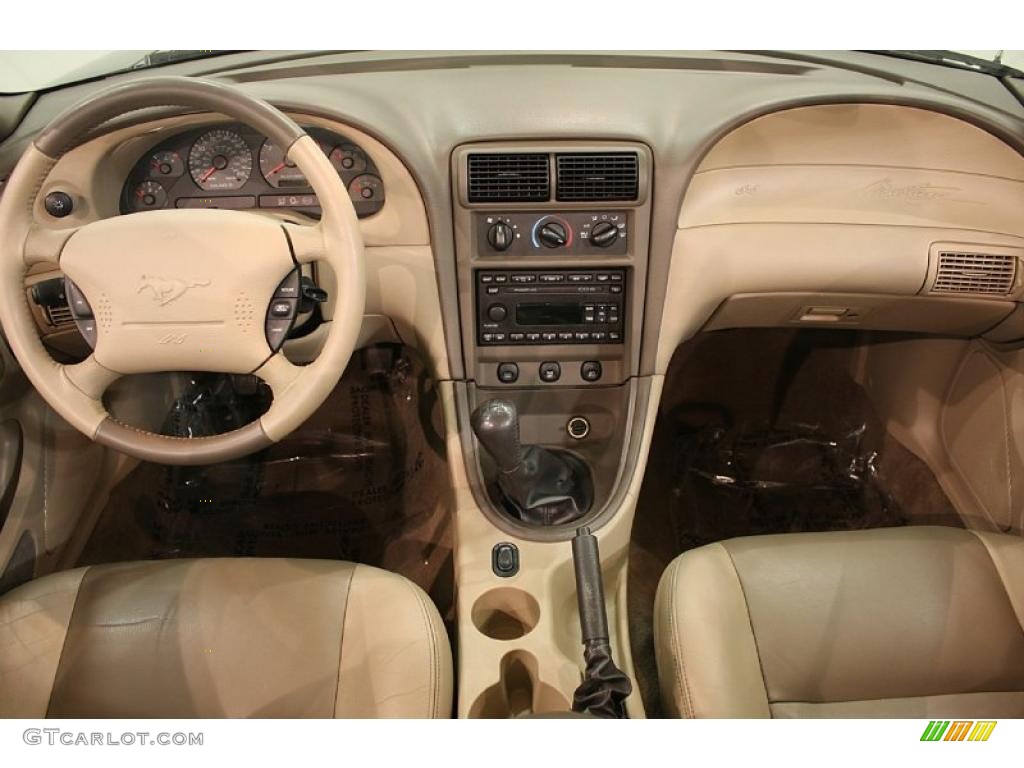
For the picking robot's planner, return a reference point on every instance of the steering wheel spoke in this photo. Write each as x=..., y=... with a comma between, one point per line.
x=44, y=245
x=90, y=377
x=307, y=242
x=279, y=373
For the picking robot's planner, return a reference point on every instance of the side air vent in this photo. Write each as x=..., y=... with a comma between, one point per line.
x=586, y=176
x=975, y=273
x=509, y=178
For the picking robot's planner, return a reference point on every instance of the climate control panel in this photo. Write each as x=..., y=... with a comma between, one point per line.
x=594, y=233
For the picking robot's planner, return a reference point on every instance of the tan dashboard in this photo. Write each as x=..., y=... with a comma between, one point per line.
x=873, y=216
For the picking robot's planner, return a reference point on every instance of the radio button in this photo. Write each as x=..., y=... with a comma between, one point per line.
x=552, y=278
x=550, y=372
x=604, y=277
x=497, y=312
x=486, y=278
x=599, y=335
x=616, y=277
x=614, y=336
x=516, y=336
x=508, y=373
x=581, y=336
x=577, y=278
x=499, y=337
x=591, y=370
x=501, y=278
x=533, y=337
x=565, y=336
x=549, y=336
x=492, y=289
x=616, y=289
x=487, y=337
x=524, y=278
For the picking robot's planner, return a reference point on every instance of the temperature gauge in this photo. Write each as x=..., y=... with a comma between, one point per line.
x=166, y=165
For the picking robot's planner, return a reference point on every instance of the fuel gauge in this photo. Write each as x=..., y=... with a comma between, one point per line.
x=148, y=196
x=366, y=189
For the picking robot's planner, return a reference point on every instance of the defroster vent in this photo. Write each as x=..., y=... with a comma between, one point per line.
x=509, y=178
x=586, y=176
x=975, y=273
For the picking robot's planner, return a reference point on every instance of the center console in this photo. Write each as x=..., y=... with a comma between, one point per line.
x=551, y=256
x=551, y=249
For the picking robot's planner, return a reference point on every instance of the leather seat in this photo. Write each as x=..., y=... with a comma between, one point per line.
x=223, y=638
x=898, y=622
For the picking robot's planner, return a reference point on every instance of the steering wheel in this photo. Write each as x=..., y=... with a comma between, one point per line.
x=180, y=290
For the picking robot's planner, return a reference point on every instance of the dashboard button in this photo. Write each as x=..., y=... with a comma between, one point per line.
x=282, y=307
x=591, y=370
x=550, y=372
x=508, y=373
x=289, y=287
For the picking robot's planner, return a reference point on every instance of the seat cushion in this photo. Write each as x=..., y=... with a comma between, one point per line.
x=896, y=622
x=238, y=637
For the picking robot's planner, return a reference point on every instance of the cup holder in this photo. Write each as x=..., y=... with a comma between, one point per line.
x=519, y=692
x=505, y=613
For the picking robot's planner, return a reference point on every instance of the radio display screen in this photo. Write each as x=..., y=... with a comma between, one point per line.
x=549, y=314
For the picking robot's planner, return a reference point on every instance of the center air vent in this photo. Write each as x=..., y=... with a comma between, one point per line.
x=587, y=176
x=509, y=178
x=975, y=273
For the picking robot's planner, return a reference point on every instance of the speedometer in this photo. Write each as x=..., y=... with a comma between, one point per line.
x=220, y=159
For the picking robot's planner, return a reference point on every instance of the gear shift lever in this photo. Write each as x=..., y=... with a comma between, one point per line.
x=542, y=486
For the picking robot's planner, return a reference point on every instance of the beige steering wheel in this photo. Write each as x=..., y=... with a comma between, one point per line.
x=180, y=290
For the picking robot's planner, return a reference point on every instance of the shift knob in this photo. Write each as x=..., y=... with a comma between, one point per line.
x=496, y=424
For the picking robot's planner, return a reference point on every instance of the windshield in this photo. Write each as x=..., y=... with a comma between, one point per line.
x=22, y=71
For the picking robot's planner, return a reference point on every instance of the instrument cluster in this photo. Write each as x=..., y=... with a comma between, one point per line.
x=233, y=166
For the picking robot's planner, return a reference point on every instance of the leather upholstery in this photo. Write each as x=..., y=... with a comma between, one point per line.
x=898, y=622
x=223, y=638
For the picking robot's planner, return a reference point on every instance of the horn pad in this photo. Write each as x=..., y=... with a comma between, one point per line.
x=179, y=290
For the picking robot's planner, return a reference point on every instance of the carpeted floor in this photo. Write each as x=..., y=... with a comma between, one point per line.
x=764, y=431
x=362, y=480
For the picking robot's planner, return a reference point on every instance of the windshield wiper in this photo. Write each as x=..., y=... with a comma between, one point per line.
x=159, y=58
x=957, y=60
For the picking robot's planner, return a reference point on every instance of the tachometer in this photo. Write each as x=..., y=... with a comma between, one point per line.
x=277, y=169
x=220, y=159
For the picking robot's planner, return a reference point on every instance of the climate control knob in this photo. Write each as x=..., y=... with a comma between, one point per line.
x=553, y=234
x=500, y=236
x=603, y=234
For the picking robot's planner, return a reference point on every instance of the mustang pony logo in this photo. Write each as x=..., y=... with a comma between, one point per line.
x=165, y=290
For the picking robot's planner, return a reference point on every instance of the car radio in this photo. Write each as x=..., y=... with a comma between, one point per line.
x=550, y=306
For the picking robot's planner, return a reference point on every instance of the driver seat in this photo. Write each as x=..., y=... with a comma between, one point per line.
x=232, y=637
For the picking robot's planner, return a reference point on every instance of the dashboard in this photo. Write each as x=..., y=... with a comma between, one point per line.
x=228, y=165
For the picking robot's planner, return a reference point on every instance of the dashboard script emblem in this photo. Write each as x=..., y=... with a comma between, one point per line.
x=165, y=290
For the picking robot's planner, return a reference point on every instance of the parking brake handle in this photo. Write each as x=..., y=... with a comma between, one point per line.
x=605, y=687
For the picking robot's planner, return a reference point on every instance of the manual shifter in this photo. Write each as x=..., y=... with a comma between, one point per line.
x=539, y=485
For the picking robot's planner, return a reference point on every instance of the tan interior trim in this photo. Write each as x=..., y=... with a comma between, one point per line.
x=837, y=199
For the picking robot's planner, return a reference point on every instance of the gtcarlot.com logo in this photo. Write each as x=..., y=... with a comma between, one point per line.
x=58, y=737
x=958, y=730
